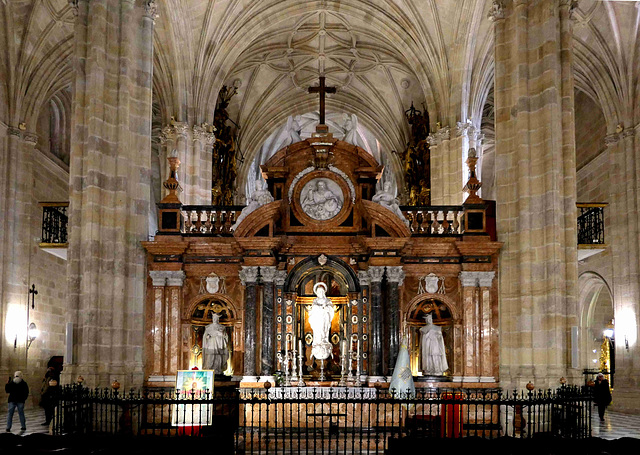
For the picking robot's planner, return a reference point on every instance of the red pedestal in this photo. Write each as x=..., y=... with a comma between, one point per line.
x=451, y=416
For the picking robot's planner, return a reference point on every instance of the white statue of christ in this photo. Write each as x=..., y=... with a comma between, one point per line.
x=321, y=313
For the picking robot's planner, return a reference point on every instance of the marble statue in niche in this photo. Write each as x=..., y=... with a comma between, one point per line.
x=321, y=313
x=434, y=358
x=321, y=199
x=214, y=346
x=386, y=199
x=260, y=197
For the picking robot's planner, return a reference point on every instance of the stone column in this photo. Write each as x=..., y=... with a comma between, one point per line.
x=470, y=325
x=249, y=278
x=363, y=301
x=164, y=341
x=395, y=278
x=110, y=188
x=622, y=235
x=280, y=310
x=16, y=235
x=376, y=273
x=536, y=189
x=268, y=320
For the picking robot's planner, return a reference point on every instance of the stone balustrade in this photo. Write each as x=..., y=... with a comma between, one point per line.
x=209, y=219
x=434, y=220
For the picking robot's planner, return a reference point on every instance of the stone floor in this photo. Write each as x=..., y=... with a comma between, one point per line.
x=616, y=425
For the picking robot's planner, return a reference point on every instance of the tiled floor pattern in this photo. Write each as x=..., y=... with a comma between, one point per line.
x=616, y=425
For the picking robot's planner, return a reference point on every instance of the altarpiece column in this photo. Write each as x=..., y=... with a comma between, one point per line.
x=249, y=278
x=376, y=273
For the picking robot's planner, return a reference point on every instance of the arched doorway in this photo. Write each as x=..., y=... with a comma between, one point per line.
x=597, y=324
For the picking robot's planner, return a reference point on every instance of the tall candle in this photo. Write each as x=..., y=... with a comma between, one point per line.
x=358, y=350
x=286, y=345
x=299, y=346
x=344, y=349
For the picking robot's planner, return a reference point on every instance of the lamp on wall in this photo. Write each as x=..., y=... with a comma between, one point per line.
x=32, y=334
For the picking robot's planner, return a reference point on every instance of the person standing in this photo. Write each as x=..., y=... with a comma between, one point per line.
x=601, y=395
x=18, y=391
x=49, y=394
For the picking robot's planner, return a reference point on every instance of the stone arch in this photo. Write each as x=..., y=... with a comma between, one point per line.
x=446, y=316
x=311, y=263
x=595, y=303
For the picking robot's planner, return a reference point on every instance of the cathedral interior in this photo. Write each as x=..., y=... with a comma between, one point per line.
x=464, y=170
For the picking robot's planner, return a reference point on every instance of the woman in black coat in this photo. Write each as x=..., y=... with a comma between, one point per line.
x=601, y=395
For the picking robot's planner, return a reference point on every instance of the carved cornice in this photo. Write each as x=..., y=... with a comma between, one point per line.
x=280, y=278
x=364, y=278
x=496, y=12
x=474, y=279
x=268, y=273
x=32, y=138
x=611, y=139
x=376, y=273
x=161, y=278
x=395, y=274
x=248, y=274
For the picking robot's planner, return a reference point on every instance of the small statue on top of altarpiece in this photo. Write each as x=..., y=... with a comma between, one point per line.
x=224, y=170
x=417, y=159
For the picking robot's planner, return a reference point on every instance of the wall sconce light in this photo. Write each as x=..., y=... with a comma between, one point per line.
x=608, y=333
x=32, y=334
x=626, y=343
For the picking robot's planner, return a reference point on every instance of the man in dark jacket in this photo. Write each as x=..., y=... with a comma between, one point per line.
x=18, y=391
x=601, y=395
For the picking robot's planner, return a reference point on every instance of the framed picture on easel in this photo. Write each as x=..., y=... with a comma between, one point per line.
x=193, y=386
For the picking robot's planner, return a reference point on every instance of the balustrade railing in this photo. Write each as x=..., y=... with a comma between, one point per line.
x=591, y=223
x=318, y=420
x=209, y=219
x=434, y=220
x=54, y=223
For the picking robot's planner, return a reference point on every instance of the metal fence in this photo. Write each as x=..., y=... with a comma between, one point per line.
x=591, y=223
x=54, y=222
x=324, y=420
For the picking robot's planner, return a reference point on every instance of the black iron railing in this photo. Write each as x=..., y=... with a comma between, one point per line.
x=314, y=420
x=591, y=223
x=54, y=223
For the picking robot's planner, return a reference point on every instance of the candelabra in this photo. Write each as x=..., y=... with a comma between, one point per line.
x=350, y=377
x=358, y=382
x=343, y=361
x=300, y=380
x=287, y=371
x=294, y=367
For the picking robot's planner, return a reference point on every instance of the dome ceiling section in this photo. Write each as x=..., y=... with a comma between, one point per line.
x=277, y=69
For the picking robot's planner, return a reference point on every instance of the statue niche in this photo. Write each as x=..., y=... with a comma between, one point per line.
x=431, y=327
x=212, y=323
x=321, y=339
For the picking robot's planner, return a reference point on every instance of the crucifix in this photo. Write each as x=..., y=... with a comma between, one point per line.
x=322, y=89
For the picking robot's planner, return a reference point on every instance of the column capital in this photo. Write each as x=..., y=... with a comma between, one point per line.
x=364, y=278
x=473, y=279
x=268, y=273
x=376, y=273
x=395, y=274
x=162, y=278
x=248, y=274
x=611, y=139
x=281, y=277
x=151, y=10
x=496, y=12
x=31, y=138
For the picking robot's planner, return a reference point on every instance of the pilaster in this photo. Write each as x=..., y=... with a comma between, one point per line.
x=249, y=278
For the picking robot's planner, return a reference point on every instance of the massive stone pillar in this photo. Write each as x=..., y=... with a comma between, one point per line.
x=624, y=153
x=395, y=277
x=110, y=188
x=268, y=274
x=376, y=273
x=16, y=199
x=249, y=278
x=536, y=189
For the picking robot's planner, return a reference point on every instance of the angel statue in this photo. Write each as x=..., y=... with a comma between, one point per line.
x=351, y=134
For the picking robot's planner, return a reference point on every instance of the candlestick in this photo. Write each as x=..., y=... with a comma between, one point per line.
x=358, y=382
x=300, y=380
x=343, y=359
x=294, y=366
x=350, y=377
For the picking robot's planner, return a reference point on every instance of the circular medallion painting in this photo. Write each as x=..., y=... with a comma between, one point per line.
x=321, y=199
